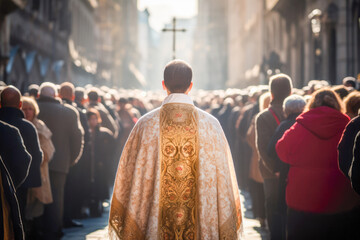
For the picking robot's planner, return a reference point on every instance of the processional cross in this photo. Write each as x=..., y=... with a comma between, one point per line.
x=174, y=30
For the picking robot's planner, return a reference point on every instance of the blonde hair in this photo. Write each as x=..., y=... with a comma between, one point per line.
x=325, y=97
x=264, y=101
x=30, y=101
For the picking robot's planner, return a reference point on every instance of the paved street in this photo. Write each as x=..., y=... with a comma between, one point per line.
x=95, y=228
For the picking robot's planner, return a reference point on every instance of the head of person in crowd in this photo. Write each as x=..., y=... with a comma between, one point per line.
x=228, y=102
x=264, y=101
x=80, y=95
x=280, y=87
x=33, y=90
x=254, y=94
x=113, y=96
x=349, y=82
x=352, y=104
x=177, y=77
x=93, y=95
x=341, y=90
x=325, y=97
x=122, y=103
x=10, y=97
x=66, y=91
x=48, y=89
x=293, y=104
x=30, y=108
x=93, y=117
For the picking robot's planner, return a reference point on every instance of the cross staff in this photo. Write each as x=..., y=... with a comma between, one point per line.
x=174, y=30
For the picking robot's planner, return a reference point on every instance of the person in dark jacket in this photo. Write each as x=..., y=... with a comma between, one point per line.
x=63, y=121
x=346, y=145
x=354, y=172
x=10, y=113
x=14, y=154
x=14, y=167
x=107, y=120
x=266, y=123
x=102, y=150
x=74, y=187
x=321, y=203
x=293, y=107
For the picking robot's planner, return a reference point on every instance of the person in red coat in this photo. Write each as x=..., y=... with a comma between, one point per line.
x=321, y=203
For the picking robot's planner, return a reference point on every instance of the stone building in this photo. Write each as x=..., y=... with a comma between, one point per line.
x=35, y=43
x=211, y=44
x=245, y=47
x=83, y=42
x=312, y=39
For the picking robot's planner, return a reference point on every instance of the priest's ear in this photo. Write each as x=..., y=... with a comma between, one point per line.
x=189, y=88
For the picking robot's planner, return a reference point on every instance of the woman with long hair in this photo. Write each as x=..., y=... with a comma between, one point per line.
x=38, y=196
x=321, y=203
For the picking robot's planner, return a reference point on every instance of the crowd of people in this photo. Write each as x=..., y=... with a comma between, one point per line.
x=296, y=151
x=60, y=147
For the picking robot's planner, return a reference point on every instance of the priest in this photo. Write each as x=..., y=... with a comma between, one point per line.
x=176, y=178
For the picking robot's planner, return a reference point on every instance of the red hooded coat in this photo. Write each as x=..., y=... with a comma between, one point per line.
x=315, y=183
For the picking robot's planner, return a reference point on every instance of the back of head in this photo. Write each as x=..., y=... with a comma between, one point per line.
x=93, y=95
x=33, y=90
x=264, y=101
x=177, y=76
x=341, y=90
x=280, y=87
x=48, y=89
x=79, y=94
x=67, y=90
x=294, y=104
x=325, y=97
x=349, y=82
x=10, y=97
x=352, y=104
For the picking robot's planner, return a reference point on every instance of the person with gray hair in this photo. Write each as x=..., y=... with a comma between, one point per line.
x=293, y=106
x=48, y=89
x=64, y=123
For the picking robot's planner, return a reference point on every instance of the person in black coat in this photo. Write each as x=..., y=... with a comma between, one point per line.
x=10, y=113
x=74, y=187
x=13, y=153
x=293, y=107
x=346, y=145
x=354, y=172
x=14, y=166
x=102, y=151
x=68, y=139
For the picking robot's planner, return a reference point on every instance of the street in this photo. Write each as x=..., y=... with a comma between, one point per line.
x=96, y=228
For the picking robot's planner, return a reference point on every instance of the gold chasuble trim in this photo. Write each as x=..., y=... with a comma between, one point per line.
x=179, y=156
x=123, y=224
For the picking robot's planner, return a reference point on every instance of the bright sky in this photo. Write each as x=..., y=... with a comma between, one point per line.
x=162, y=11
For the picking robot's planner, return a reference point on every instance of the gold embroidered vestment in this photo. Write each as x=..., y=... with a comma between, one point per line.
x=179, y=157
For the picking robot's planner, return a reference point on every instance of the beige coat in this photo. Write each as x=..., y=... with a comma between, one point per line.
x=39, y=196
x=254, y=171
x=43, y=193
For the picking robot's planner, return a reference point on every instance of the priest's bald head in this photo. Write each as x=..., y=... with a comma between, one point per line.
x=10, y=97
x=177, y=77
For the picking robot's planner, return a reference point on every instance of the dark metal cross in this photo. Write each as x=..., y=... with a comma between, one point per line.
x=174, y=30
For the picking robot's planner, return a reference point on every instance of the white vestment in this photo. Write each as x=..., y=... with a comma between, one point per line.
x=135, y=207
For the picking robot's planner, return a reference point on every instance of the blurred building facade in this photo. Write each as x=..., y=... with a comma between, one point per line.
x=35, y=43
x=211, y=44
x=312, y=39
x=83, y=41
